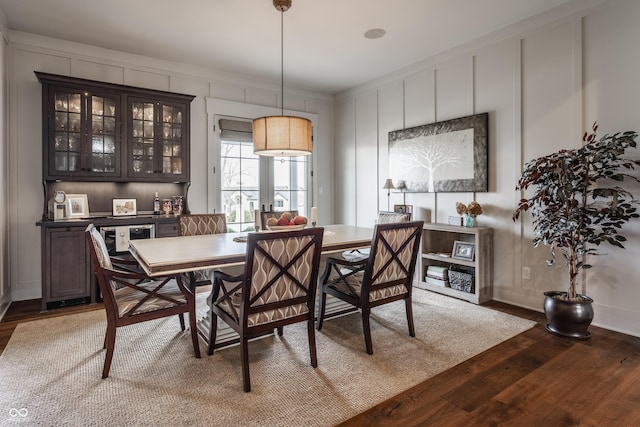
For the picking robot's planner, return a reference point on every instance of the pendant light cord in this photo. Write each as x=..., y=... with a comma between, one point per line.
x=282, y=61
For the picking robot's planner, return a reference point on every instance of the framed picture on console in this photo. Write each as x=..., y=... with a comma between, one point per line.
x=463, y=250
x=403, y=209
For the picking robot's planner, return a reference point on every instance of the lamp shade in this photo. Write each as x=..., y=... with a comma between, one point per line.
x=286, y=136
x=388, y=184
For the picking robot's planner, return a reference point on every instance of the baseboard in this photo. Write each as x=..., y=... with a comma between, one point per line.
x=4, y=307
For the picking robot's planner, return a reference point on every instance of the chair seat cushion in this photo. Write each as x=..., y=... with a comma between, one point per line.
x=356, y=254
x=127, y=298
x=355, y=281
x=262, y=317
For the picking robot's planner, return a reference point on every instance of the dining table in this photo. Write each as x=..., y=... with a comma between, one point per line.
x=183, y=254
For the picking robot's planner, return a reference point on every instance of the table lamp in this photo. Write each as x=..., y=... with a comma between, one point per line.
x=388, y=185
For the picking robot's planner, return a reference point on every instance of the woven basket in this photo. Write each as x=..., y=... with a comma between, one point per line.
x=461, y=281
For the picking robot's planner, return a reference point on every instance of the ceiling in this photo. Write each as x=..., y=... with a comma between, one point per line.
x=324, y=45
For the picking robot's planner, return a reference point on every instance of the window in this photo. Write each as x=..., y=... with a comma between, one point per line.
x=249, y=182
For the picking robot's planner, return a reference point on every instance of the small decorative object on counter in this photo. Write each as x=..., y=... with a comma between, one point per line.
x=156, y=204
x=178, y=202
x=167, y=206
x=469, y=212
x=314, y=216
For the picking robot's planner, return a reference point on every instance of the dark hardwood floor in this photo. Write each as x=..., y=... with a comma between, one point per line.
x=533, y=379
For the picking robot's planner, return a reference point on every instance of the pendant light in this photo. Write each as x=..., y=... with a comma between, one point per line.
x=282, y=136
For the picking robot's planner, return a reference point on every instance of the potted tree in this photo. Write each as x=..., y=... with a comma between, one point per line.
x=577, y=205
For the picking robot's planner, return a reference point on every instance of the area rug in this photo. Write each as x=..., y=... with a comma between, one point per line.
x=50, y=370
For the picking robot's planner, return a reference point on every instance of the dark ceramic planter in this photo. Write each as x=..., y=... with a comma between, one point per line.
x=569, y=319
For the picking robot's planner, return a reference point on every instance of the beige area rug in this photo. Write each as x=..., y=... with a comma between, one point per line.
x=50, y=370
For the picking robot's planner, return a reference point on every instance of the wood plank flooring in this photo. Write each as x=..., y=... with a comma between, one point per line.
x=533, y=379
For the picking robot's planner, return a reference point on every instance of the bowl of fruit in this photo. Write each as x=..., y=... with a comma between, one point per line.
x=287, y=222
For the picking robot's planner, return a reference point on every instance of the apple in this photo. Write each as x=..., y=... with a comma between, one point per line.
x=299, y=220
x=286, y=215
x=272, y=221
x=283, y=221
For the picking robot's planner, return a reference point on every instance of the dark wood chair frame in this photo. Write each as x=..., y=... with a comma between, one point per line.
x=345, y=269
x=131, y=279
x=247, y=306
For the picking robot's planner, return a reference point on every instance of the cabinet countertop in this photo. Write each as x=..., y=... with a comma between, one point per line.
x=107, y=220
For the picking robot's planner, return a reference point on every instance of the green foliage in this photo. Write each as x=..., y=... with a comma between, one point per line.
x=577, y=204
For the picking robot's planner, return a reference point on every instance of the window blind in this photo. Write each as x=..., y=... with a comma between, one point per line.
x=236, y=130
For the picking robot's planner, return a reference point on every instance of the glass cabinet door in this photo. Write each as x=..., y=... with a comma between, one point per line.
x=102, y=157
x=158, y=139
x=172, y=140
x=85, y=138
x=143, y=137
x=67, y=144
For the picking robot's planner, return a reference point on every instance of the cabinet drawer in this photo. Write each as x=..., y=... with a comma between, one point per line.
x=167, y=229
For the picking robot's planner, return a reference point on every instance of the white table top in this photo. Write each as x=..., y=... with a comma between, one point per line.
x=188, y=253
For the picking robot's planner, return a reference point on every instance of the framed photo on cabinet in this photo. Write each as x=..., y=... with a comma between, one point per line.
x=124, y=207
x=77, y=206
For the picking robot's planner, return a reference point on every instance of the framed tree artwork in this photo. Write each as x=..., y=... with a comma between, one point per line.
x=447, y=156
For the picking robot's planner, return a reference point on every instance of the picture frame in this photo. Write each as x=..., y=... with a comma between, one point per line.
x=77, y=206
x=124, y=207
x=403, y=209
x=448, y=156
x=463, y=250
x=455, y=220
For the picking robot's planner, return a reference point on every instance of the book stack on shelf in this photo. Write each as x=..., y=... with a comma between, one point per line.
x=437, y=275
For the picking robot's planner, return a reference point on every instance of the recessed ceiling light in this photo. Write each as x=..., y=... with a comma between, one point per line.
x=374, y=33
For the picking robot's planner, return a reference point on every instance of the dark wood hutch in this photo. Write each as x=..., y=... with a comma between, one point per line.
x=106, y=141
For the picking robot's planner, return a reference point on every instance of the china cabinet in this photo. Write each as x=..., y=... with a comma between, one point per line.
x=96, y=131
x=438, y=243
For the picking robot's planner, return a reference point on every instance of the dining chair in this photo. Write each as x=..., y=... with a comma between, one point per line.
x=196, y=225
x=385, y=276
x=277, y=288
x=265, y=215
x=131, y=297
x=384, y=217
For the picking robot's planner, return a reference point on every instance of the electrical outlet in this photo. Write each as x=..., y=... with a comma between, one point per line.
x=526, y=273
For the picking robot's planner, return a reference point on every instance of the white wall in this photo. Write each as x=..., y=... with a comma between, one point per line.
x=543, y=82
x=31, y=53
x=5, y=288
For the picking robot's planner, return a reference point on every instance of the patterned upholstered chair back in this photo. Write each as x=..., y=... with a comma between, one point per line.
x=392, y=260
x=102, y=253
x=198, y=224
x=389, y=217
x=282, y=271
